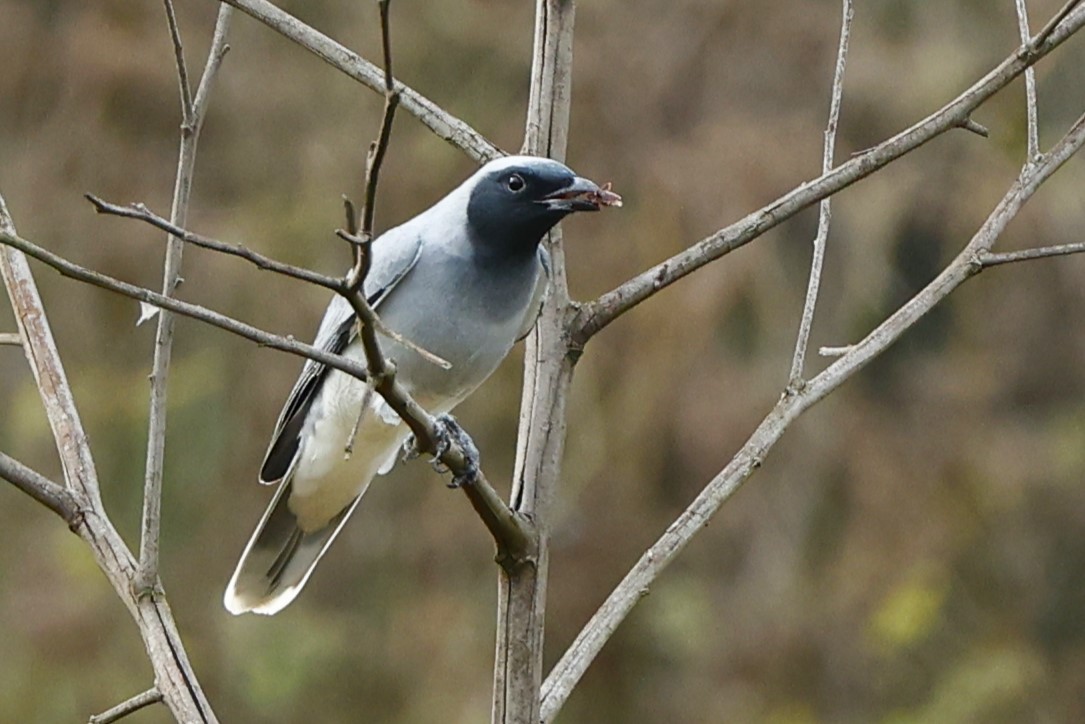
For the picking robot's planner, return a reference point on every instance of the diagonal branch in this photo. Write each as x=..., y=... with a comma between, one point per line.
x=142, y=213
x=595, y=315
x=441, y=122
x=266, y=339
x=1054, y=22
x=575, y=661
x=795, y=380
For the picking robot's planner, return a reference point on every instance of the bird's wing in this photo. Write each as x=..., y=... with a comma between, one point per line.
x=394, y=255
x=538, y=298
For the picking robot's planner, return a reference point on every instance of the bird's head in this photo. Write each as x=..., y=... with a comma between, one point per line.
x=513, y=201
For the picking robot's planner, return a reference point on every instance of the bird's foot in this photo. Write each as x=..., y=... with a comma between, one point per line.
x=448, y=430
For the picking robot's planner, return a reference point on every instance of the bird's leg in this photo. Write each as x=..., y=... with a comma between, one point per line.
x=448, y=431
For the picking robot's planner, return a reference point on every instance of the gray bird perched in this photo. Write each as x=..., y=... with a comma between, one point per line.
x=465, y=280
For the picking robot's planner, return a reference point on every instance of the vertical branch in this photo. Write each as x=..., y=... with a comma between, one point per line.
x=795, y=379
x=547, y=374
x=192, y=120
x=1030, y=87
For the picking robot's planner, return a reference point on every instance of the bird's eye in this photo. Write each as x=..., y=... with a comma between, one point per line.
x=515, y=182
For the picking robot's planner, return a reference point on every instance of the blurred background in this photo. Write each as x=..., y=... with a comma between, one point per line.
x=912, y=551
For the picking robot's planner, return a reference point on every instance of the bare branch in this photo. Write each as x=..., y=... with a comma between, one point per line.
x=218, y=51
x=635, y=585
x=597, y=314
x=41, y=353
x=179, y=59
x=55, y=497
x=266, y=339
x=142, y=213
x=971, y=126
x=10, y=338
x=1030, y=86
x=137, y=702
x=174, y=676
x=1049, y=29
x=442, y=123
x=548, y=371
x=147, y=574
x=1042, y=252
x=795, y=380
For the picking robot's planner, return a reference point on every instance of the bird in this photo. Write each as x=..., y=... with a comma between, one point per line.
x=465, y=280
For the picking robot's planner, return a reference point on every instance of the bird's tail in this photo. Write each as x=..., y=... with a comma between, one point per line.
x=279, y=558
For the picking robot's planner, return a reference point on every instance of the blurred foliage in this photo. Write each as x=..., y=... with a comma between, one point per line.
x=913, y=550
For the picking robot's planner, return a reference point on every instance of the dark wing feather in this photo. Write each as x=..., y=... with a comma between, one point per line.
x=391, y=262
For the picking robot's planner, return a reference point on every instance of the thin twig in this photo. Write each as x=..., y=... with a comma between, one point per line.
x=179, y=59
x=973, y=127
x=834, y=351
x=142, y=213
x=795, y=380
x=11, y=338
x=1030, y=86
x=1056, y=19
x=137, y=702
x=1043, y=252
x=575, y=661
x=374, y=159
x=147, y=574
x=52, y=495
x=441, y=122
x=597, y=314
x=266, y=339
x=362, y=237
x=336, y=284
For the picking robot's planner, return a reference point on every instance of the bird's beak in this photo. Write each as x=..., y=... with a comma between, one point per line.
x=581, y=195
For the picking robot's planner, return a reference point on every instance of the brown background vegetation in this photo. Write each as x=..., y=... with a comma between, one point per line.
x=912, y=551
